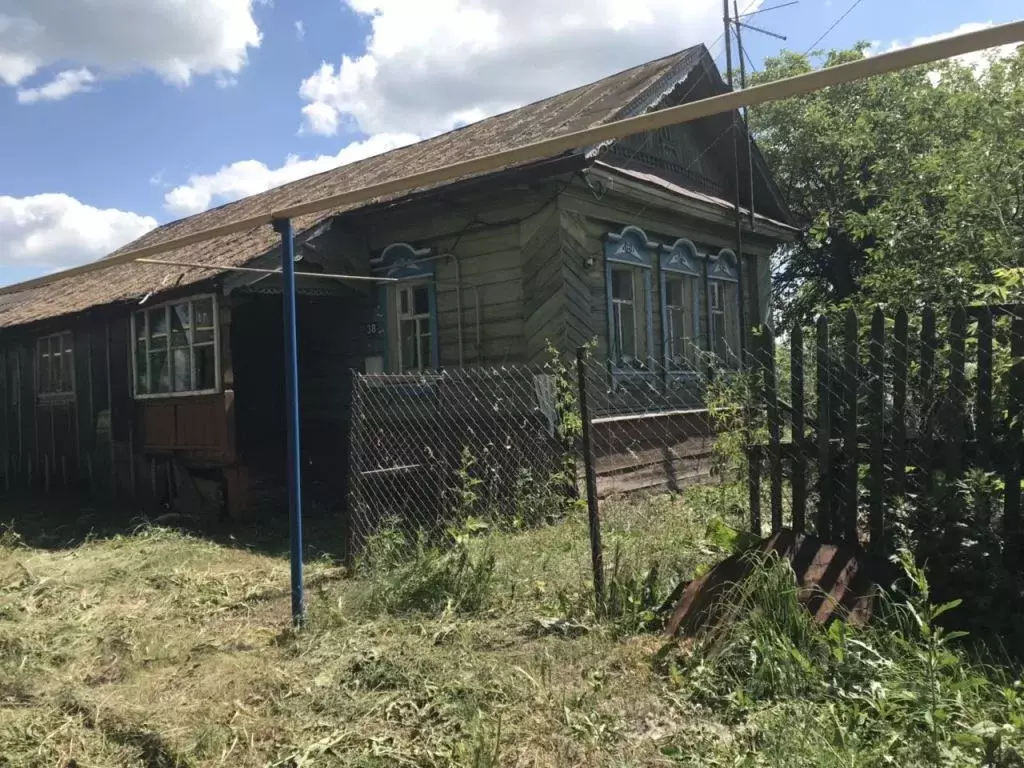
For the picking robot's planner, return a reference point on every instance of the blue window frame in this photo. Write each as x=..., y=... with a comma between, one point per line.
x=681, y=272
x=628, y=264
x=408, y=309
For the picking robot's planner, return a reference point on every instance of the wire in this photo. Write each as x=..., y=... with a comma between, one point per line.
x=633, y=158
x=835, y=24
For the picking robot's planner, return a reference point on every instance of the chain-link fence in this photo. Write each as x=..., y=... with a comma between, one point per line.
x=505, y=444
x=429, y=448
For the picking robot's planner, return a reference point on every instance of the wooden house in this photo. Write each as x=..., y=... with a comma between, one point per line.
x=108, y=376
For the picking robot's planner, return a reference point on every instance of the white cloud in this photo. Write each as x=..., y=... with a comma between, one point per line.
x=429, y=66
x=177, y=39
x=319, y=117
x=66, y=83
x=55, y=231
x=979, y=60
x=300, y=29
x=247, y=177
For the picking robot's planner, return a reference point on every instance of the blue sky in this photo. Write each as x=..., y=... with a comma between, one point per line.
x=213, y=108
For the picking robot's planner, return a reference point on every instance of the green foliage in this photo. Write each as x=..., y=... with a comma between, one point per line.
x=413, y=575
x=633, y=595
x=907, y=186
x=567, y=408
x=901, y=693
x=465, y=494
x=734, y=406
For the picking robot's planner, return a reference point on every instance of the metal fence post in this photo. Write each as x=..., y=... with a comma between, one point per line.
x=291, y=380
x=596, y=552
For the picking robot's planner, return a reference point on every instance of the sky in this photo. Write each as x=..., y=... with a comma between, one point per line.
x=119, y=115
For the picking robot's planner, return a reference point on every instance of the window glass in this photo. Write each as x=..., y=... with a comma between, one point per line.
x=409, y=345
x=421, y=300
x=680, y=298
x=176, y=348
x=202, y=314
x=424, y=352
x=57, y=382
x=626, y=328
x=157, y=322
x=55, y=360
x=181, y=326
x=181, y=369
x=205, y=367
x=44, y=367
x=159, y=370
x=622, y=284
x=415, y=343
x=724, y=302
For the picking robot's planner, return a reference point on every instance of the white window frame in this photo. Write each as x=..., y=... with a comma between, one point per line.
x=680, y=352
x=618, y=305
x=166, y=307
x=422, y=320
x=62, y=394
x=719, y=310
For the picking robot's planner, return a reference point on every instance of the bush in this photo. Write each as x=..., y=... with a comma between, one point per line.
x=901, y=693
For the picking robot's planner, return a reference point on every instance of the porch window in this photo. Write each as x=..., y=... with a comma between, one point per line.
x=175, y=348
x=416, y=341
x=55, y=365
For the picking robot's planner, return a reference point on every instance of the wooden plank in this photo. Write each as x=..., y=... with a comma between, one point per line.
x=956, y=394
x=983, y=400
x=851, y=381
x=754, y=487
x=1012, y=540
x=983, y=412
x=877, y=435
x=926, y=406
x=5, y=449
x=824, y=431
x=799, y=461
x=766, y=343
x=899, y=404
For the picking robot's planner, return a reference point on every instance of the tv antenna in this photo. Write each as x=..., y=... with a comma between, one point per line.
x=735, y=21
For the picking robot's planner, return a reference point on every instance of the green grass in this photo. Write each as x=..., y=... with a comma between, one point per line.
x=157, y=648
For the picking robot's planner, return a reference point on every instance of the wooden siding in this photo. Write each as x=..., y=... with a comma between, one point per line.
x=545, y=307
x=487, y=236
x=71, y=440
x=193, y=427
x=585, y=221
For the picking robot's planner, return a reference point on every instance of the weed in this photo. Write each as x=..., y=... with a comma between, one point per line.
x=414, y=575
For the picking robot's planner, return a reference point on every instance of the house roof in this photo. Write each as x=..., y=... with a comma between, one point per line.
x=614, y=97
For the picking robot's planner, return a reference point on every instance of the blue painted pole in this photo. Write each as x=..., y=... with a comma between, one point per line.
x=291, y=397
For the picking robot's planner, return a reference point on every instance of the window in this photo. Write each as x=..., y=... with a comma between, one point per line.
x=55, y=365
x=175, y=348
x=681, y=337
x=415, y=332
x=626, y=347
x=723, y=309
x=629, y=257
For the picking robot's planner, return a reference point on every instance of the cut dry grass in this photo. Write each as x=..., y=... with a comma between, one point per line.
x=159, y=648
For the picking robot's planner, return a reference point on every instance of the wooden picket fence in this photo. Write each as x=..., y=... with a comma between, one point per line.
x=886, y=411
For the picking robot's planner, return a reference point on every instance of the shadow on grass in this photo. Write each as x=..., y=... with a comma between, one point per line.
x=64, y=521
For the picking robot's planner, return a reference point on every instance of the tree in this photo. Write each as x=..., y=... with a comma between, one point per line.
x=909, y=187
